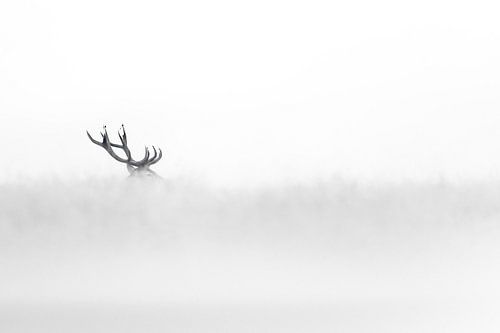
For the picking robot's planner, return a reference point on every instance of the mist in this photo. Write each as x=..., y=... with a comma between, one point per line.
x=323, y=256
x=328, y=166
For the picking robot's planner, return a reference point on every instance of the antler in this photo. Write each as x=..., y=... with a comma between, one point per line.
x=108, y=146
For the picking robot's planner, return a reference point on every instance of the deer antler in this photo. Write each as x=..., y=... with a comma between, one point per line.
x=108, y=146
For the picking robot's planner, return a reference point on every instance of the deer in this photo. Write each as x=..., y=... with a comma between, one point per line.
x=135, y=168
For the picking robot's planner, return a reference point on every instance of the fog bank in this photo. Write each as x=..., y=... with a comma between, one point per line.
x=178, y=245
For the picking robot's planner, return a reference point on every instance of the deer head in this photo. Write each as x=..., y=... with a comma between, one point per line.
x=136, y=168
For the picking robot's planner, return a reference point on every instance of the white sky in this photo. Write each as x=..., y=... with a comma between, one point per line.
x=249, y=92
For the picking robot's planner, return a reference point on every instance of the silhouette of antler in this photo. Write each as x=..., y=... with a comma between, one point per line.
x=132, y=164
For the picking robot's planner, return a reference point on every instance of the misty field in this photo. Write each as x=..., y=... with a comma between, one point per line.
x=107, y=255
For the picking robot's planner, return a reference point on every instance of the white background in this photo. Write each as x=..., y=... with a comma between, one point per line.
x=251, y=92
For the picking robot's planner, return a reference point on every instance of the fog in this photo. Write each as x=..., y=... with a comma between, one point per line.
x=256, y=106
x=108, y=254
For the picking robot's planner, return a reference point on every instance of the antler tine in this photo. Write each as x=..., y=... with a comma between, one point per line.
x=106, y=144
x=94, y=140
x=112, y=152
x=154, y=156
x=123, y=136
x=105, y=138
x=153, y=161
x=124, y=146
